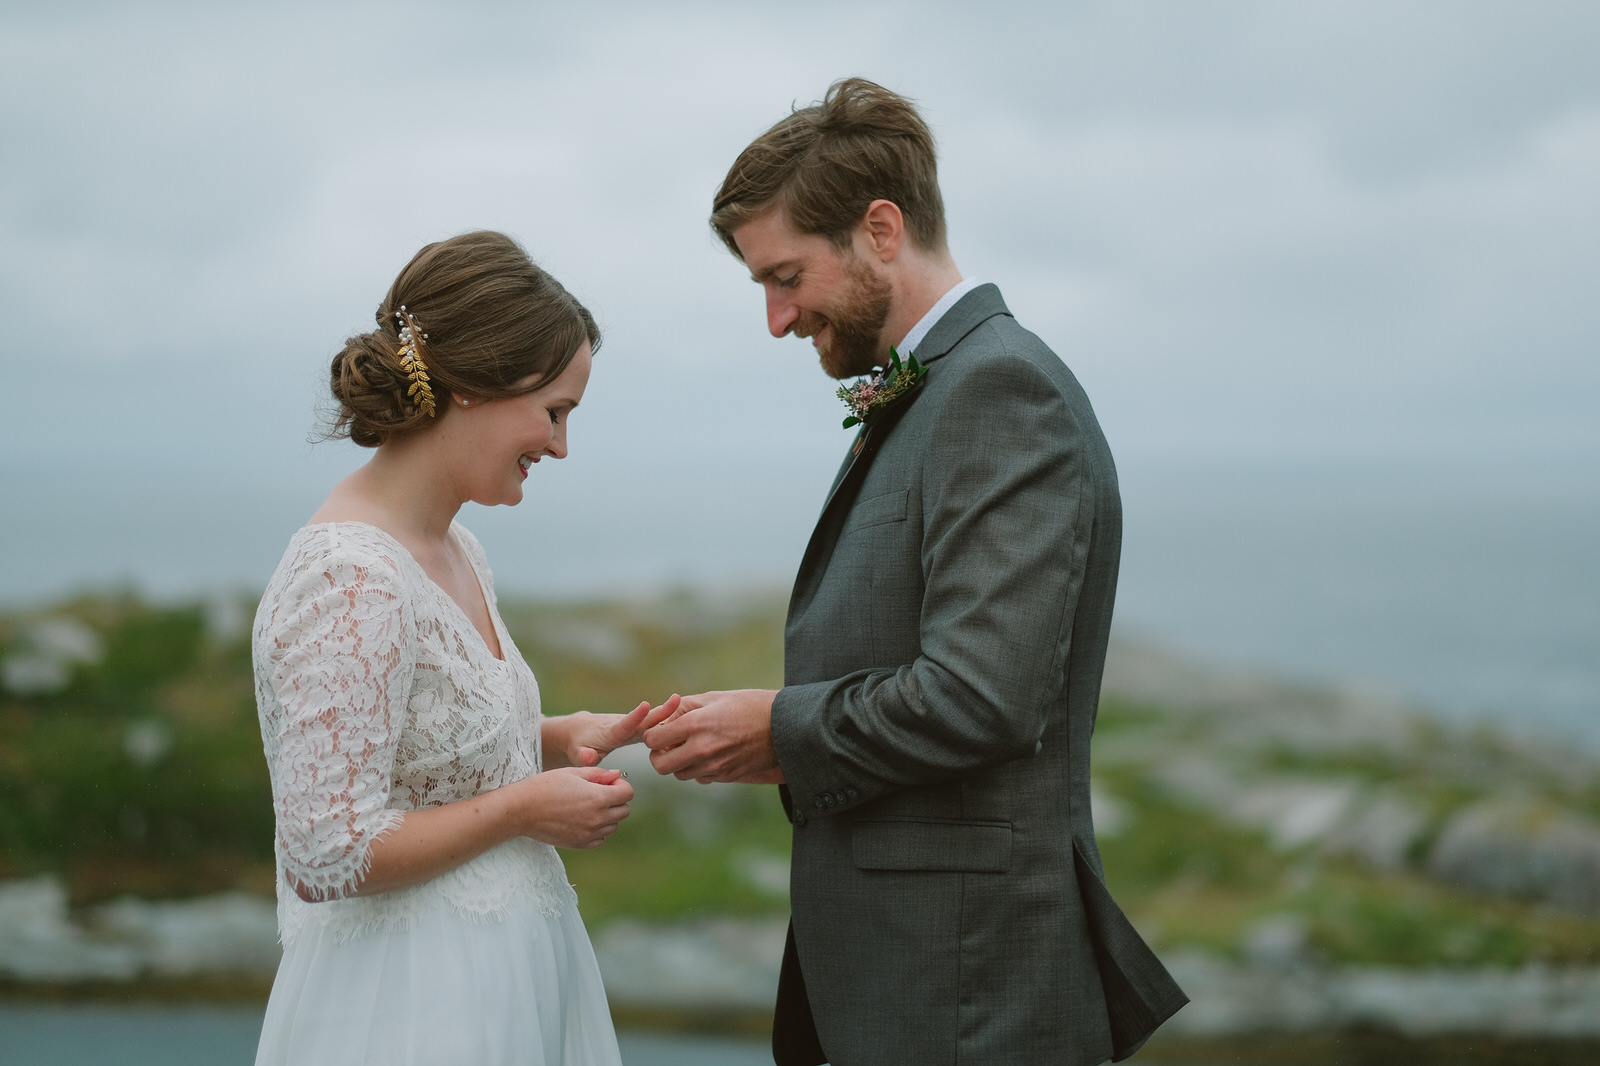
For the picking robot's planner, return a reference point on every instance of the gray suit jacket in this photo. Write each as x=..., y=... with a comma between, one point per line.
x=943, y=653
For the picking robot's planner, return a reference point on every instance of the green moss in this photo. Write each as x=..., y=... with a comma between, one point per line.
x=1357, y=916
x=1116, y=715
x=652, y=869
x=1170, y=842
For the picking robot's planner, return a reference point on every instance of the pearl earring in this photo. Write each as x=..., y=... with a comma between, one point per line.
x=464, y=403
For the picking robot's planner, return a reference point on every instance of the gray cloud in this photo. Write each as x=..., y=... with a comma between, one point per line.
x=1311, y=232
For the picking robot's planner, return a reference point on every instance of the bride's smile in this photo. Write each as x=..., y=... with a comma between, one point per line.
x=494, y=443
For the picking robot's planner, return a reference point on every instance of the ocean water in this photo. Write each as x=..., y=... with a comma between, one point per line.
x=39, y=1035
x=1474, y=593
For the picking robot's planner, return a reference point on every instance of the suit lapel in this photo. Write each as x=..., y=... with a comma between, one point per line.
x=971, y=311
x=820, y=547
x=856, y=447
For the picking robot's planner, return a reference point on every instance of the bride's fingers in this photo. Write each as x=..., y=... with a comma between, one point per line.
x=630, y=724
x=664, y=713
x=625, y=729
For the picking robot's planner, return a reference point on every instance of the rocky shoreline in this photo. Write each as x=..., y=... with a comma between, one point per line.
x=1307, y=785
x=724, y=972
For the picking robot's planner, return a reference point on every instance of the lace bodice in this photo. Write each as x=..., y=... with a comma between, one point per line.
x=377, y=696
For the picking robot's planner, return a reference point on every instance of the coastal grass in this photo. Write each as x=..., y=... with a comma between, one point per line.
x=655, y=872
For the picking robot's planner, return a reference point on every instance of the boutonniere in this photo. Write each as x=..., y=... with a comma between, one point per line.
x=868, y=397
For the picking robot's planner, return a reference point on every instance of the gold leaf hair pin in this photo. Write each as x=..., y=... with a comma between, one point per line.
x=411, y=338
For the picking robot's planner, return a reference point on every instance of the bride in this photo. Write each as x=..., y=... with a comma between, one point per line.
x=419, y=796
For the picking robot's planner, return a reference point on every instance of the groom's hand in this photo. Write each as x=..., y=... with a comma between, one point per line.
x=718, y=736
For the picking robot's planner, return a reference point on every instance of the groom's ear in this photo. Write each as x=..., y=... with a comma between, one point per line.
x=881, y=232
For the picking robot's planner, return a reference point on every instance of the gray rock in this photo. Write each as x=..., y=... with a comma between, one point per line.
x=1112, y=816
x=1280, y=941
x=763, y=871
x=720, y=963
x=1227, y=999
x=1291, y=811
x=1380, y=831
x=1532, y=1001
x=233, y=932
x=38, y=942
x=1251, y=713
x=229, y=933
x=1234, y=1000
x=1522, y=848
x=47, y=653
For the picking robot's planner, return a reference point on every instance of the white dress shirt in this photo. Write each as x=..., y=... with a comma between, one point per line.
x=908, y=344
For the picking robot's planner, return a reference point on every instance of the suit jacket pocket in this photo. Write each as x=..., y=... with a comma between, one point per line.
x=965, y=847
x=877, y=511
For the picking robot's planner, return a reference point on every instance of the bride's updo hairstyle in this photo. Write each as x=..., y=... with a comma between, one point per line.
x=489, y=324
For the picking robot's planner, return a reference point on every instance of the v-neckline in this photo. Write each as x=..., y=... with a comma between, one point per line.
x=440, y=590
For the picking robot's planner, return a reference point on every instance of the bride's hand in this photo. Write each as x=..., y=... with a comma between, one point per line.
x=591, y=737
x=573, y=807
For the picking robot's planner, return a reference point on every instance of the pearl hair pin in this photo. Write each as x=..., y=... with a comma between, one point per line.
x=411, y=338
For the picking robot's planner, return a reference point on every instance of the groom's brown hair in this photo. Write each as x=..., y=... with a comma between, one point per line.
x=825, y=164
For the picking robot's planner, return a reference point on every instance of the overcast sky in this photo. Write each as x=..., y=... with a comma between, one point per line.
x=1308, y=233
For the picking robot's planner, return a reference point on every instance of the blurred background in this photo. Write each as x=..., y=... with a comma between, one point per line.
x=1326, y=270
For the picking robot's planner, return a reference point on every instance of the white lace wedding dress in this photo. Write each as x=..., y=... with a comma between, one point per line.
x=377, y=697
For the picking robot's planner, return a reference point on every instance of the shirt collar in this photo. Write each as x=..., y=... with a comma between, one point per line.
x=908, y=344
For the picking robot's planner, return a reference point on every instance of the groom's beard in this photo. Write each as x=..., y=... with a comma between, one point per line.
x=852, y=347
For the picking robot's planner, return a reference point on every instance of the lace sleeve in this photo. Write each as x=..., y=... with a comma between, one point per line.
x=340, y=669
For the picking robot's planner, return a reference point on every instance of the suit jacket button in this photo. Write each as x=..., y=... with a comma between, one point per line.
x=821, y=802
x=838, y=797
x=851, y=793
x=799, y=818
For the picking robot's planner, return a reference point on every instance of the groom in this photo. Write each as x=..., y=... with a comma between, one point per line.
x=944, y=644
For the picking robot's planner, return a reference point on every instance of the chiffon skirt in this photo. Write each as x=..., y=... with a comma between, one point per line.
x=521, y=990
